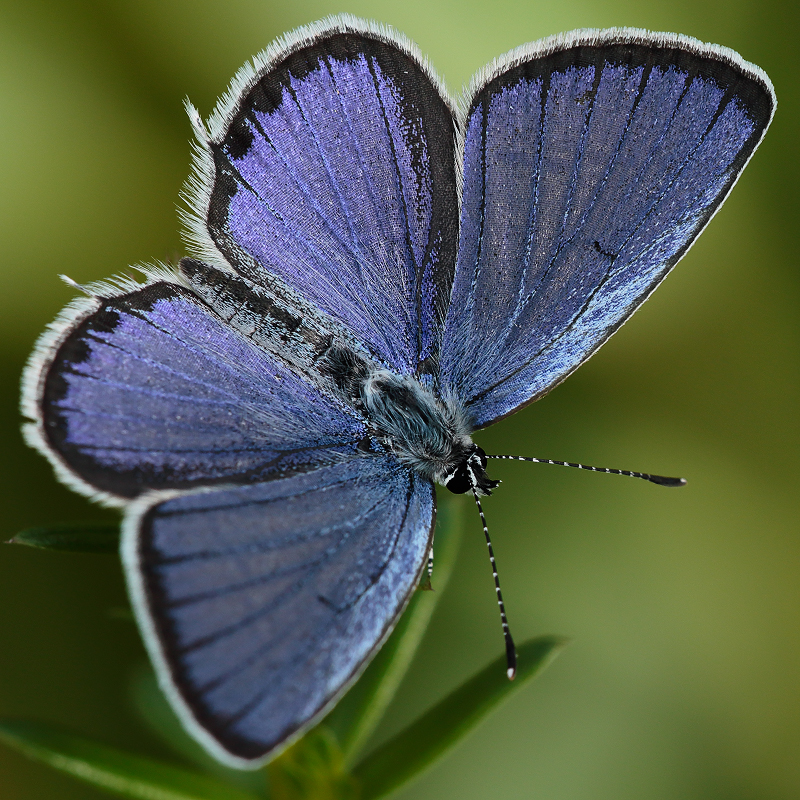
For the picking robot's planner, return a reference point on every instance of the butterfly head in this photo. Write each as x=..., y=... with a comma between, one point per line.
x=471, y=473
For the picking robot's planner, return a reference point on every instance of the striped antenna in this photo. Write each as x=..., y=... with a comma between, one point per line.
x=661, y=480
x=511, y=652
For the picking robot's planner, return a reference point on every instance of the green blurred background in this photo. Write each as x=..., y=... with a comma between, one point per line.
x=682, y=679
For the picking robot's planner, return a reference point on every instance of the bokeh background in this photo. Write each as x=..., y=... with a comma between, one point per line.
x=684, y=606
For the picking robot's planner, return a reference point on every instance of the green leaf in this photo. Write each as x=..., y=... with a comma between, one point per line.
x=422, y=742
x=357, y=714
x=114, y=770
x=76, y=537
x=151, y=705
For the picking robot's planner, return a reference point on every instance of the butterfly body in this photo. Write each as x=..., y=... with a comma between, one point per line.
x=376, y=273
x=403, y=416
x=427, y=434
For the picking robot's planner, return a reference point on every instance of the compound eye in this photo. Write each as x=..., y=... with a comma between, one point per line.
x=459, y=483
x=481, y=453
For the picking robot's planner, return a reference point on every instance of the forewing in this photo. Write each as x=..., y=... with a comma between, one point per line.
x=591, y=163
x=152, y=389
x=329, y=168
x=260, y=603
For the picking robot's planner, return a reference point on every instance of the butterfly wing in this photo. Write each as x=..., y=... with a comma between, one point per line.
x=261, y=603
x=150, y=388
x=329, y=169
x=591, y=162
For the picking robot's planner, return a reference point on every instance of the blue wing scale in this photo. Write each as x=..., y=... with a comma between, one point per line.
x=153, y=390
x=336, y=177
x=267, y=599
x=588, y=172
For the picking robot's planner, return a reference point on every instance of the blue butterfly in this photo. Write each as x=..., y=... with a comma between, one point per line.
x=377, y=273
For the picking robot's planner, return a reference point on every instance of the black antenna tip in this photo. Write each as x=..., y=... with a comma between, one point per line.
x=662, y=481
x=511, y=659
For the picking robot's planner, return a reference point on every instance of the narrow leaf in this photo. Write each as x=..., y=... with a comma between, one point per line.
x=114, y=770
x=359, y=711
x=77, y=537
x=422, y=742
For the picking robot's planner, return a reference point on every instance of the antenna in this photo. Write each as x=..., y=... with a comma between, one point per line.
x=661, y=480
x=511, y=653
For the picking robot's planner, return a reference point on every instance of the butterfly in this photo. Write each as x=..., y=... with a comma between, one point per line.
x=376, y=273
